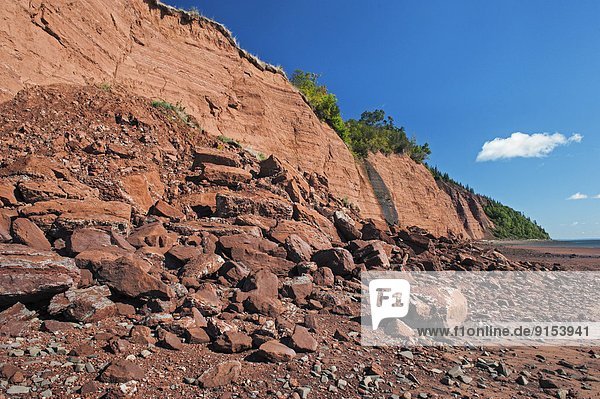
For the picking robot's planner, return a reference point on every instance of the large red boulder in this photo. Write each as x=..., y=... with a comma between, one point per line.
x=222, y=374
x=339, y=260
x=274, y=351
x=29, y=275
x=127, y=276
x=87, y=239
x=86, y=305
x=215, y=156
x=26, y=232
x=70, y=214
x=120, y=371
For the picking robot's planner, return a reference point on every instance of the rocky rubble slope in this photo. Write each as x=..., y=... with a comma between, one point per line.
x=156, y=51
x=140, y=257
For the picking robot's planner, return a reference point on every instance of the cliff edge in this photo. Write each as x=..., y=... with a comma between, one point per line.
x=154, y=50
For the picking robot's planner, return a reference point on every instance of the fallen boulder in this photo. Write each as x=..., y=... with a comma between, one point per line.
x=87, y=305
x=215, y=156
x=28, y=275
x=120, y=371
x=224, y=175
x=275, y=352
x=87, y=239
x=15, y=320
x=302, y=340
x=26, y=232
x=126, y=275
x=70, y=214
x=346, y=226
x=221, y=374
x=339, y=260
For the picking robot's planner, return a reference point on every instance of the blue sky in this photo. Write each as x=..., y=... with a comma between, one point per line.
x=458, y=74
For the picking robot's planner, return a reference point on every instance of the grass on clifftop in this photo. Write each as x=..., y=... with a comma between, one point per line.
x=373, y=132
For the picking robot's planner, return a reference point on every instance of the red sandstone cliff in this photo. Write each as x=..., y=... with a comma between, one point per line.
x=156, y=51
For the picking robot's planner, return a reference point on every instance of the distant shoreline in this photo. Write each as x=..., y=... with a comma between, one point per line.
x=536, y=243
x=569, y=254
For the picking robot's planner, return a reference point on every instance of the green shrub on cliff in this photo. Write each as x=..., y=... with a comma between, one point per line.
x=373, y=132
x=323, y=103
x=512, y=224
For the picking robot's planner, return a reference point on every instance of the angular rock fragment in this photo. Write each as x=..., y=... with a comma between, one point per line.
x=161, y=208
x=263, y=283
x=15, y=320
x=418, y=242
x=206, y=300
x=346, y=226
x=215, y=156
x=26, y=232
x=372, y=255
x=201, y=266
x=221, y=374
x=297, y=249
x=86, y=305
x=69, y=214
x=233, y=342
x=262, y=204
x=268, y=306
x=170, y=341
x=153, y=235
x=309, y=234
x=302, y=340
x=234, y=272
x=274, y=351
x=224, y=175
x=34, y=191
x=120, y=371
x=141, y=335
x=142, y=190
x=339, y=260
x=298, y=288
x=88, y=239
x=7, y=194
x=28, y=275
x=126, y=275
x=6, y=217
x=324, y=277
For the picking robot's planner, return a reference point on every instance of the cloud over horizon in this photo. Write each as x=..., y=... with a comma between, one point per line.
x=522, y=145
x=578, y=196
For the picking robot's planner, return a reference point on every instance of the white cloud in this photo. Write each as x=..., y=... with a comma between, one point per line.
x=577, y=196
x=524, y=145
x=596, y=196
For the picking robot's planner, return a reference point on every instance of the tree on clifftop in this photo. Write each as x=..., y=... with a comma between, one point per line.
x=373, y=132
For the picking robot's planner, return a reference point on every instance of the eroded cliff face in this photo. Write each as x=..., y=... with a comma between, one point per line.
x=420, y=201
x=154, y=51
